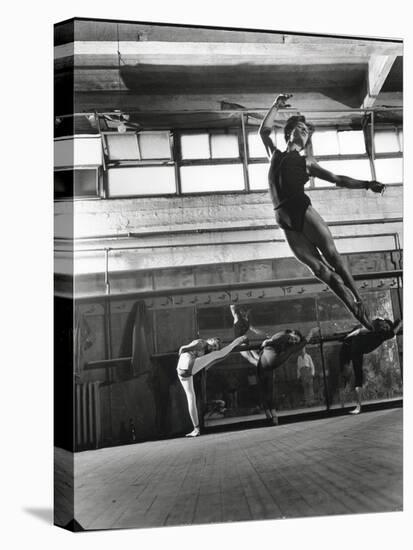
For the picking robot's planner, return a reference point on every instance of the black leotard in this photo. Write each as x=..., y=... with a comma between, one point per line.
x=355, y=347
x=287, y=177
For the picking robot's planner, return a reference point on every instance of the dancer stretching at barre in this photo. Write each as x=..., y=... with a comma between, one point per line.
x=243, y=327
x=275, y=351
x=200, y=354
x=359, y=342
x=307, y=234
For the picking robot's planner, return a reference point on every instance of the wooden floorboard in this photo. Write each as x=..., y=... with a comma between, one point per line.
x=341, y=465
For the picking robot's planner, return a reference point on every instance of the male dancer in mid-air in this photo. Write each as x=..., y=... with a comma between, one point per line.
x=307, y=234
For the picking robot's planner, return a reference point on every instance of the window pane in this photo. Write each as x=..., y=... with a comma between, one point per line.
x=205, y=179
x=258, y=176
x=78, y=151
x=385, y=141
x=122, y=146
x=325, y=142
x=351, y=142
x=195, y=146
x=154, y=145
x=358, y=169
x=141, y=180
x=83, y=182
x=389, y=170
x=256, y=147
x=224, y=146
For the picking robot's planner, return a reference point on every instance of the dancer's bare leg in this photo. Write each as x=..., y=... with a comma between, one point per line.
x=317, y=231
x=357, y=409
x=210, y=359
x=307, y=253
x=188, y=386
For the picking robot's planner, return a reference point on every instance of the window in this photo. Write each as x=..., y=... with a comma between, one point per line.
x=154, y=145
x=210, y=162
x=351, y=142
x=212, y=178
x=386, y=141
x=77, y=151
x=195, y=146
x=209, y=146
x=122, y=146
x=141, y=180
x=144, y=146
x=224, y=146
x=325, y=143
x=354, y=168
x=388, y=162
x=336, y=143
x=258, y=176
x=389, y=170
x=256, y=147
x=76, y=183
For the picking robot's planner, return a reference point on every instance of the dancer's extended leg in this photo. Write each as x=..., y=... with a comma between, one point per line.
x=307, y=252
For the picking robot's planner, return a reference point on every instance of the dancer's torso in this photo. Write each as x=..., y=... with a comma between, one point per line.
x=287, y=176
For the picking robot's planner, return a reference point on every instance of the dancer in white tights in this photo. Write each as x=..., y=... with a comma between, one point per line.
x=200, y=354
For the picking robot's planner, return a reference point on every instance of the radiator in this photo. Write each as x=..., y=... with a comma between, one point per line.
x=87, y=416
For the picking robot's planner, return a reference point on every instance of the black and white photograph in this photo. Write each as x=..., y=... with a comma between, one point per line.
x=228, y=315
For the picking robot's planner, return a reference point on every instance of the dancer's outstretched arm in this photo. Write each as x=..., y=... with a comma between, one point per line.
x=195, y=345
x=398, y=326
x=317, y=171
x=206, y=361
x=268, y=122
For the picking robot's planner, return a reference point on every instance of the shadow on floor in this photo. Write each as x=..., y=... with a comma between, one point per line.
x=45, y=514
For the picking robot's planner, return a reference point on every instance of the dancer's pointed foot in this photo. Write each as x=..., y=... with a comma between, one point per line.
x=195, y=433
x=357, y=410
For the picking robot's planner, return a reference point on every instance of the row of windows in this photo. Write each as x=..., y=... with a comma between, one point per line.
x=157, y=145
x=160, y=180
x=155, y=163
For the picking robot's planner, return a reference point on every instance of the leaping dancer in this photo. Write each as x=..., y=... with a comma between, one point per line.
x=307, y=234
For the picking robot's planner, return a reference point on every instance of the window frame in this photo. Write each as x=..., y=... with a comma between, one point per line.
x=211, y=161
x=119, y=164
x=98, y=183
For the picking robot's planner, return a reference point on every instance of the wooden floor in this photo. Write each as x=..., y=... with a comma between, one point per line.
x=341, y=465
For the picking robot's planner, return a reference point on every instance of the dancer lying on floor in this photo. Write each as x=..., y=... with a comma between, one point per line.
x=200, y=354
x=356, y=344
x=275, y=351
x=307, y=234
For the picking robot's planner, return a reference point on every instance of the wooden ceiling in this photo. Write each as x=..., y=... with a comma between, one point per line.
x=161, y=75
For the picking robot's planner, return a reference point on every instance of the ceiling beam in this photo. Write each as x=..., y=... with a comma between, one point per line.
x=378, y=69
x=106, y=52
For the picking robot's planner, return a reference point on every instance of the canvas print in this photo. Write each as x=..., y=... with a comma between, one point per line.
x=228, y=274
